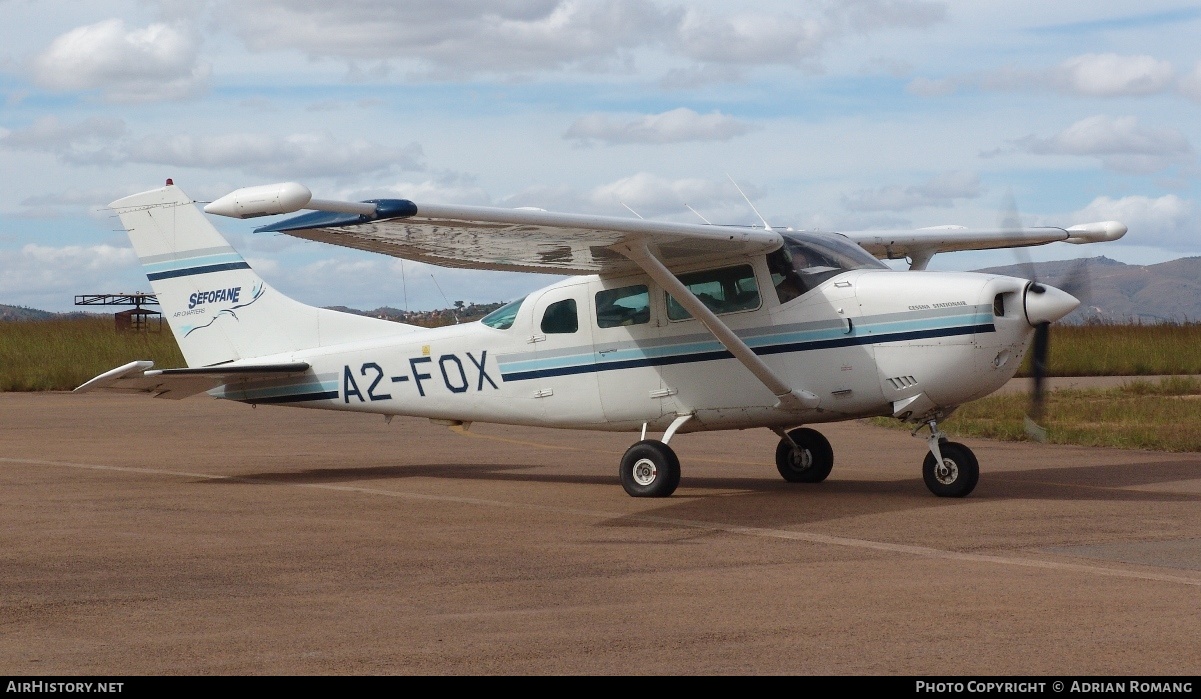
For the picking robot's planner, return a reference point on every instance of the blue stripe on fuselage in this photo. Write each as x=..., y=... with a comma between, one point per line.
x=871, y=335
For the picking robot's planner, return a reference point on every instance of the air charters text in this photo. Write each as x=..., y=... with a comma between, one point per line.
x=450, y=366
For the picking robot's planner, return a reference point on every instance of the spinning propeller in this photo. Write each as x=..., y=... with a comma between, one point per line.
x=1043, y=303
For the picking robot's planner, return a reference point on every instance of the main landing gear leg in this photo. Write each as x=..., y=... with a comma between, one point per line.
x=650, y=468
x=950, y=470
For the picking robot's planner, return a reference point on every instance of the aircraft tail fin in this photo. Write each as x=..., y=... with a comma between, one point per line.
x=218, y=308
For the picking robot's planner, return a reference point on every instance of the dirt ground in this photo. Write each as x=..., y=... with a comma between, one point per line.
x=156, y=537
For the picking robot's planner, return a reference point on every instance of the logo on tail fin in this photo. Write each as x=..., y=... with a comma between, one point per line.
x=223, y=294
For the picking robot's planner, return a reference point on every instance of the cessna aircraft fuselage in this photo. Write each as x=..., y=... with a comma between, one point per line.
x=867, y=342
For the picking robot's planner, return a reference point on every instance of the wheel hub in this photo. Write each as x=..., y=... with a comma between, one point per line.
x=947, y=472
x=645, y=472
x=801, y=458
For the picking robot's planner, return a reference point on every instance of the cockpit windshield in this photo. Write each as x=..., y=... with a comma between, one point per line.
x=808, y=259
x=503, y=317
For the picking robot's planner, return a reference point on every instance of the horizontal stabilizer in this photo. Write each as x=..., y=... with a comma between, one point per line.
x=139, y=377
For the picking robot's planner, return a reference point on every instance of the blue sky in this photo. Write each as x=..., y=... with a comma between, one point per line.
x=836, y=115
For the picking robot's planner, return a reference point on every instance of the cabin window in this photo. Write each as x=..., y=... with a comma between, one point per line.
x=725, y=290
x=560, y=318
x=503, y=317
x=629, y=305
x=808, y=259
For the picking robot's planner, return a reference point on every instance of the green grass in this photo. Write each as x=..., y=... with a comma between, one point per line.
x=1161, y=416
x=1124, y=350
x=58, y=355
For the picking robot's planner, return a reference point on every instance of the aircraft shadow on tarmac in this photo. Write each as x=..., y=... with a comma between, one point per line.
x=753, y=496
x=1112, y=482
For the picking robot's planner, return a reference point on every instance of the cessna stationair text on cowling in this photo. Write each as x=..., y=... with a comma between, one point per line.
x=672, y=328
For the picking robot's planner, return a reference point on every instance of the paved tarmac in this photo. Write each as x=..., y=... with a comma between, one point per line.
x=155, y=537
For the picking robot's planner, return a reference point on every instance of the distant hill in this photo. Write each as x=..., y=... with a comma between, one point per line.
x=1115, y=292
x=1111, y=292
x=11, y=313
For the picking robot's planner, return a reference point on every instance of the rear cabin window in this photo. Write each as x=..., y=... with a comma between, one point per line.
x=560, y=318
x=808, y=259
x=629, y=305
x=726, y=290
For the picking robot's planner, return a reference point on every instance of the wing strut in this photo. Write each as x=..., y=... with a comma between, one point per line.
x=789, y=398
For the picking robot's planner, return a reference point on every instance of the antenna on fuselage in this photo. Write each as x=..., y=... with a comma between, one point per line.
x=766, y=225
x=698, y=213
x=631, y=210
x=446, y=300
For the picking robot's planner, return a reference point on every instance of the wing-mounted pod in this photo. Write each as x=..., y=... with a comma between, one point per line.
x=290, y=197
x=1100, y=232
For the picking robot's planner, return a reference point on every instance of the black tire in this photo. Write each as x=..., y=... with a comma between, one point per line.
x=809, y=462
x=650, y=469
x=959, y=474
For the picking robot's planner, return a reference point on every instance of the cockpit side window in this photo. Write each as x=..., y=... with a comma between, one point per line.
x=808, y=259
x=561, y=318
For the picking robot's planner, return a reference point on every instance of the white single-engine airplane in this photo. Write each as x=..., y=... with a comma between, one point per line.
x=674, y=327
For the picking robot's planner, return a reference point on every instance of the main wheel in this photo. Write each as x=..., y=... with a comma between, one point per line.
x=809, y=461
x=958, y=474
x=650, y=469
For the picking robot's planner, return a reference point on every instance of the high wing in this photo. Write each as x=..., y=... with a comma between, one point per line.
x=523, y=240
x=535, y=240
x=139, y=377
x=921, y=244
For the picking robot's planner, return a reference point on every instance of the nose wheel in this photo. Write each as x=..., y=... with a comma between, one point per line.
x=953, y=473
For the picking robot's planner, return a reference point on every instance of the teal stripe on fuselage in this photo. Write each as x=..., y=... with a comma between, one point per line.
x=938, y=324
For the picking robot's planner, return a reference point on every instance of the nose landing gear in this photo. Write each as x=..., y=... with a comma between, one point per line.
x=950, y=470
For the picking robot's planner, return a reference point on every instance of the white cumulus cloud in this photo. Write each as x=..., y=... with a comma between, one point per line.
x=1121, y=143
x=1112, y=75
x=1166, y=221
x=156, y=62
x=675, y=126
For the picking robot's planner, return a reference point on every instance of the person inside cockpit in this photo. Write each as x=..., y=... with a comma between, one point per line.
x=783, y=265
